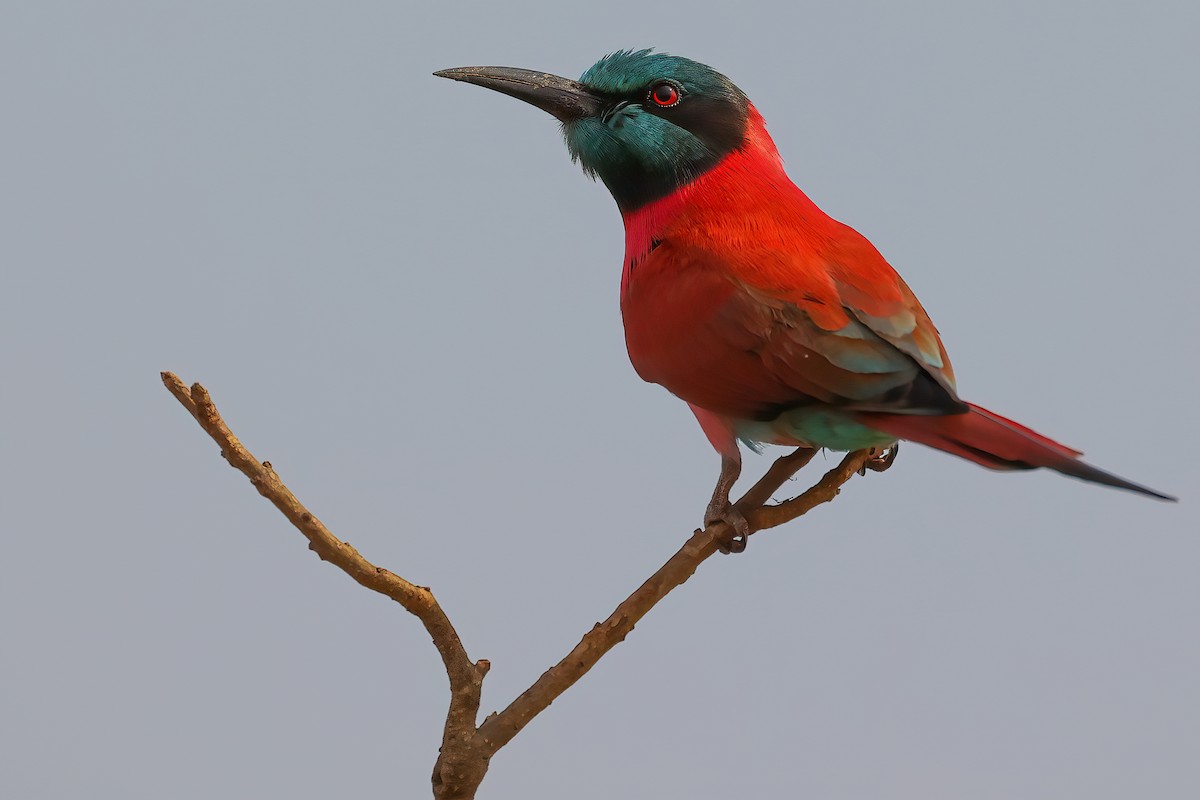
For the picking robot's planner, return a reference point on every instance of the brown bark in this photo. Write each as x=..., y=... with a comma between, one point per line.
x=467, y=748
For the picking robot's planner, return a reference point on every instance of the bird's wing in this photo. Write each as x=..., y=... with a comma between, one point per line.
x=880, y=359
x=772, y=325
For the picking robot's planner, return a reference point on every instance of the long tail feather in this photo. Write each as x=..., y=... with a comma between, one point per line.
x=997, y=443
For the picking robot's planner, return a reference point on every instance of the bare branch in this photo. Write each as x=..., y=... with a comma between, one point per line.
x=499, y=729
x=466, y=750
x=823, y=491
x=460, y=763
x=780, y=473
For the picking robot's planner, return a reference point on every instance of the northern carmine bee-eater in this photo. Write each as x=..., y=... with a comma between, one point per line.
x=774, y=322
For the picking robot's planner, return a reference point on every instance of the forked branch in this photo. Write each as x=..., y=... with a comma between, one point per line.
x=467, y=750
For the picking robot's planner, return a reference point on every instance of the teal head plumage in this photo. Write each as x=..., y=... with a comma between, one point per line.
x=644, y=123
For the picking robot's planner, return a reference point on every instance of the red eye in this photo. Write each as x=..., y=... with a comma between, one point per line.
x=664, y=94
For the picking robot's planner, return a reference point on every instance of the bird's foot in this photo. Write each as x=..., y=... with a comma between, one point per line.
x=739, y=529
x=880, y=461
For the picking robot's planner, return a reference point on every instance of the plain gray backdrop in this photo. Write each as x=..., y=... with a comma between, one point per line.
x=403, y=294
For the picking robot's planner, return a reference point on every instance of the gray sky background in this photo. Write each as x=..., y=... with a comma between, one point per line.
x=403, y=294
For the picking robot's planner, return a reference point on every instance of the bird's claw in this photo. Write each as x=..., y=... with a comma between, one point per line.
x=739, y=529
x=880, y=462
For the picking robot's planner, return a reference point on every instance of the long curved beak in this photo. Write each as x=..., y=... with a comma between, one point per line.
x=564, y=98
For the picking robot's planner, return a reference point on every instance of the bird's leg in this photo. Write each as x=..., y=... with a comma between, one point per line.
x=721, y=510
x=880, y=461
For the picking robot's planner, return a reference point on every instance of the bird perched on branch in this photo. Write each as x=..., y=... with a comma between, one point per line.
x=774, y=322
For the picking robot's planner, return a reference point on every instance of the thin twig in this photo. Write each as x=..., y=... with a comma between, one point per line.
x=467, y=750
x=780, y=472
x=499, y=729
x=460, y=761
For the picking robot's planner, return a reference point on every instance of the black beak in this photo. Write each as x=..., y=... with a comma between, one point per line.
x=564, y=98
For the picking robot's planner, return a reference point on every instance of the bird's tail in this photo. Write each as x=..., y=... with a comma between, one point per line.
x=997, y=443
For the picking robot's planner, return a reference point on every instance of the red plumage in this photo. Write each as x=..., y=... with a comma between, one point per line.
x=743, y=298
x=774, y=322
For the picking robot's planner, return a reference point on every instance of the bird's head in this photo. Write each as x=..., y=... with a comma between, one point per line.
x=645, y=123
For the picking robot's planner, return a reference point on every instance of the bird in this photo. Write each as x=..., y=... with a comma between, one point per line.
x=774, y=322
